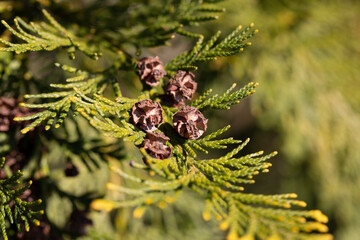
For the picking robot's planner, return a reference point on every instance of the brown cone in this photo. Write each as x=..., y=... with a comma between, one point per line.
x=147, y=114
x=180, y=87
x=190, y=123
x=154, y=144
x=151, y=69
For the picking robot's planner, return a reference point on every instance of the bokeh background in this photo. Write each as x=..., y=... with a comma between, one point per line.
x=306, y=59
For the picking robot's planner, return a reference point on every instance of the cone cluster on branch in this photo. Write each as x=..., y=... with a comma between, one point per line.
x=188, y=122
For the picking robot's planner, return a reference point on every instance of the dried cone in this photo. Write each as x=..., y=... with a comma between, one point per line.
x=79, y=222
x=154, y=144
x=9, y=109
x=15, y=160
x=71, y=170
x=181, y=87
x=147, y=114
x=190, y=123
x=151, y=69
x=41, y=232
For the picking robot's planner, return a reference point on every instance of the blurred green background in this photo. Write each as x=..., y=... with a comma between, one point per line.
x=306, y=58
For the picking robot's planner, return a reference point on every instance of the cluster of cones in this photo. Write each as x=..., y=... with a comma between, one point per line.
x=188, y=122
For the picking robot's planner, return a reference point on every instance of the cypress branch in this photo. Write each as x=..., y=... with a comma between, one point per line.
x=86, y=83
x=240, y=213
x=21, y=213
x=220, y=180
x=225, y=100
x=233, y=44
x=44, y=36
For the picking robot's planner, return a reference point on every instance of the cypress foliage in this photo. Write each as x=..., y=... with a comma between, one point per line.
x=99, y=97
x=12, y=207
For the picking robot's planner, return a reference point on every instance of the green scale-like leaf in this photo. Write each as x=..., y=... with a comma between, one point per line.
x=43, y=36
x=222, y=181
x=55, y=112
x=21, y=212
x=233, y=44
